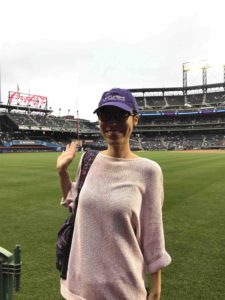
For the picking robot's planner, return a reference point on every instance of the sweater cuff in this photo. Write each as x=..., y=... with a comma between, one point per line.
x=163, y=261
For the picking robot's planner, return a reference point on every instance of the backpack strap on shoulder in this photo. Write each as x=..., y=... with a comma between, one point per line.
x=87, y=161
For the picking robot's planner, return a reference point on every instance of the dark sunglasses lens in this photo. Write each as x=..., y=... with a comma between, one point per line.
x=103, y=116
x=122, y=116
x=108, y=116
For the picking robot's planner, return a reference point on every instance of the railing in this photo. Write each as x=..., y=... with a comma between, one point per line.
x=10, y=272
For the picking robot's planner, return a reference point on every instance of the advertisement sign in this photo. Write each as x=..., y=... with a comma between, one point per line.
x=22, y=99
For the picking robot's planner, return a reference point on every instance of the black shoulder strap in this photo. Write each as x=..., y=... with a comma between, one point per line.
x=87, y=161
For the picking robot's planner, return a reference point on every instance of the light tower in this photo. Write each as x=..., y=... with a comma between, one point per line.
x=224, y=75
x=185, y=70
x=188, y=66
x=78, y=126
x=204, y=81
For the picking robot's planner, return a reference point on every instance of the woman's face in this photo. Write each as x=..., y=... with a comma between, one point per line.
x=116, y=125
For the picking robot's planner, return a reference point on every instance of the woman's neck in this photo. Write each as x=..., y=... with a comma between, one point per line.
x=120, y=152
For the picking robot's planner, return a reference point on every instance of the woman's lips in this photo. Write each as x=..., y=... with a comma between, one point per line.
x=113, y=130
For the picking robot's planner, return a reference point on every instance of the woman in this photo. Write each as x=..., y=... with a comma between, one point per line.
x=118, y=234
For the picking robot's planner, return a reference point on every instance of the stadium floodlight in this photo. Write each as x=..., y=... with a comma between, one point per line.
x=195, y=65
x=203, y=64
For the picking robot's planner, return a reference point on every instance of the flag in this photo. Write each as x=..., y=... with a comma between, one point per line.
x=18, y=94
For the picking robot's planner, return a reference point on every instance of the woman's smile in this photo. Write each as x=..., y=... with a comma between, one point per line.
x=113, y=130
x=113, y=133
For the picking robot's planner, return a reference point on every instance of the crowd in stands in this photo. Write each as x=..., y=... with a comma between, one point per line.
x=172, y=101
x=179, y=101
x=180, y=141
x=22, y=119
x=100, y=144
x=175, y=120
x=215, y=98
x=64, y=124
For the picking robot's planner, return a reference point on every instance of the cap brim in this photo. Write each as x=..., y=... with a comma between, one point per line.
x=116, y=104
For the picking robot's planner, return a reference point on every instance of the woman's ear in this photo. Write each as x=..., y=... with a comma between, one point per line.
x=136, y=120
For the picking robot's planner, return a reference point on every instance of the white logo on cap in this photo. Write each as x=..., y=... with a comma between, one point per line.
x=114, y=97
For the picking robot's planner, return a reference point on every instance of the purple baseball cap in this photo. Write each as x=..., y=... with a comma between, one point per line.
x=120, y=98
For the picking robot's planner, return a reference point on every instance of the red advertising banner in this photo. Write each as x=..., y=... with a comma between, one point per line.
x=22, y=99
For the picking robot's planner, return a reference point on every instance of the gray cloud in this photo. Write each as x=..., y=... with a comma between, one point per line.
x=156, y=60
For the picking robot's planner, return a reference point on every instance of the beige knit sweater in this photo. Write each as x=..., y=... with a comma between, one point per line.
x=118, y=232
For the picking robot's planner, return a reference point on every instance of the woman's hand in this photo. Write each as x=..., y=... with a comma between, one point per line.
x=153, y=297
x=66, y=157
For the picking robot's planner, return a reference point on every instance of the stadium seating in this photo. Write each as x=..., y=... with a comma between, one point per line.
x=169, y=120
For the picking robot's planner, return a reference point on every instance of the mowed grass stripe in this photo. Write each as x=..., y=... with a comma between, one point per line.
x=194, y=220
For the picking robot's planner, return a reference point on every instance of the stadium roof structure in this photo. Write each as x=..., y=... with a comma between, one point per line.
x=24, y=108
x=174, y=89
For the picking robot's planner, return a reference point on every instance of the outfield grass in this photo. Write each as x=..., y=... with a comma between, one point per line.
x=194, y=221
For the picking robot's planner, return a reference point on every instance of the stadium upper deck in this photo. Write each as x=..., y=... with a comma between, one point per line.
x=190, y=117
x=180, y=97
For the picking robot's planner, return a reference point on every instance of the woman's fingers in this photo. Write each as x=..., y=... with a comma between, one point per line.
x=70, y=147
x=73, y=146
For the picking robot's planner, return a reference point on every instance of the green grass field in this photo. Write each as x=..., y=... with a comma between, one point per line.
x=194, y=221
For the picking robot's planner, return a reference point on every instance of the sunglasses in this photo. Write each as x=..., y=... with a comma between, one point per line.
x=119, y=116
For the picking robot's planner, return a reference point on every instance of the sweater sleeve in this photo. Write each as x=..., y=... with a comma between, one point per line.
x=152, y=233
x=72, y=194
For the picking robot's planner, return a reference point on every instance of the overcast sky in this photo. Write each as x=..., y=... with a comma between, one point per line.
x=72, y=51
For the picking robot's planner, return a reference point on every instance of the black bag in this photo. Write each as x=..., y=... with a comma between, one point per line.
x=65, y=233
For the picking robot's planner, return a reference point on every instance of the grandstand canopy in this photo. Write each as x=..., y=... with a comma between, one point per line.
x=170, y=89
x=24, y=108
